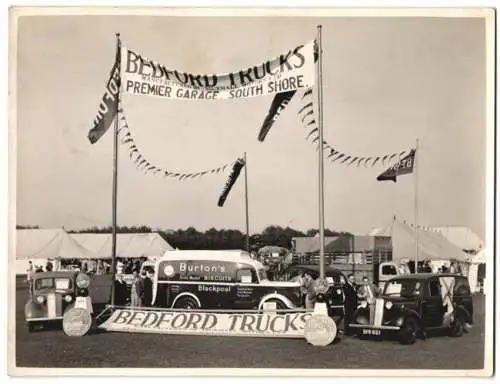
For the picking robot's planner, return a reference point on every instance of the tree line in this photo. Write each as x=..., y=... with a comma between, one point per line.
x=191, y=238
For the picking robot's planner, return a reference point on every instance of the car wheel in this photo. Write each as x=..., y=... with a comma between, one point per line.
x=408, y=333
x=186, y=303
x=457, y=327
x=279, y=304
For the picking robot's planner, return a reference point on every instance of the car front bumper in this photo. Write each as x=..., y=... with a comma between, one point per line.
x=43, y=319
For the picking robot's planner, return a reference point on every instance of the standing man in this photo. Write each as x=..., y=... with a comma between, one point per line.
x=120, y=291
x=367, y=291
x=148, y=288
x=29, y=275
x=142, y=289
x=351, y=302
x=136, y=290
x=308, y=283
x=299, y=278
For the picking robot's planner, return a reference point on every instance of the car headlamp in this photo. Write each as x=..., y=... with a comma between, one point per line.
x=39, y=299
x=339, y=291
x=68, y=298
x=363, y=304
x=82, y=280
x=388, y=304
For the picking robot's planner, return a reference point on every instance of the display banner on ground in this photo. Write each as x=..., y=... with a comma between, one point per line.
x=290, y=71
x=202, y=323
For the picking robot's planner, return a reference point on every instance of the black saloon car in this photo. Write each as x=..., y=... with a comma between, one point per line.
x=412, y=305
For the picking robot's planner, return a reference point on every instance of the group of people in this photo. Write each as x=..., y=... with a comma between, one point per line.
x=353, y=294
x=140, y=293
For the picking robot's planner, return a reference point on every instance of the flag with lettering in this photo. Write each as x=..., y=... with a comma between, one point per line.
x=235, y=172
x=108, y=107
x=402, y=167
x=279, y=103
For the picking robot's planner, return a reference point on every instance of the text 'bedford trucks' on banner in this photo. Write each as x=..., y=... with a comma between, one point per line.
x=288, y=72
x=212, y=324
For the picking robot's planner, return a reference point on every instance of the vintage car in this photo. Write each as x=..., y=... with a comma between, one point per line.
x=53, y=294
x=413, y=305
x=334, y=296
x=218, y=280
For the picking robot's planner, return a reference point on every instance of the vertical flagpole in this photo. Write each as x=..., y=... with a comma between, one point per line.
x=320, y=159
x=416, y=207
x=115, y=183
x=246, y=206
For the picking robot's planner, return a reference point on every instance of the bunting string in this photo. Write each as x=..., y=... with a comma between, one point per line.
x=145, y=166
x=306, y=115
x=422, y=227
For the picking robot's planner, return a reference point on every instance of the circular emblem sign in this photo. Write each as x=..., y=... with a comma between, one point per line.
x=76, y=322
x=169, y=270
x=321, y=286
x=320, y=330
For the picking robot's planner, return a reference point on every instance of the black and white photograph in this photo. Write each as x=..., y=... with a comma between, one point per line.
x=297, y=192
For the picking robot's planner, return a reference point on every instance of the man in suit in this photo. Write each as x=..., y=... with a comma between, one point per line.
x=120, y=291
x=368, y=291
x=136, y=291
x=350, y=303
x=147, y=293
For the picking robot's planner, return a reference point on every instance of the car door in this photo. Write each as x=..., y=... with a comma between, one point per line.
x=432, y=303
x=245, y=295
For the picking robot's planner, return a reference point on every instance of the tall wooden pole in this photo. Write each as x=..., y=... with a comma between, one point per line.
x=320, y=159
x=416, y=207
x=115, y=183
x=246, y=206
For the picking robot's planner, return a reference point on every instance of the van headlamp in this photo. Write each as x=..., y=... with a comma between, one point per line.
x=68, y=298
x=82, y=280
x=388, y=304
x=39, y=299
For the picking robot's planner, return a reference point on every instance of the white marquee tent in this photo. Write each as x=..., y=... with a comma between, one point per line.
x=462, y=237
x=432, y=244
x=41, y=245
x=128, y=245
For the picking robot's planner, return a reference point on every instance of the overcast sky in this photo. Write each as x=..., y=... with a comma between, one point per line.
x=387, y=82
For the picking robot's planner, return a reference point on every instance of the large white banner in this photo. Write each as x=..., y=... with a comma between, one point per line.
x=291, y=71
x=202, y=323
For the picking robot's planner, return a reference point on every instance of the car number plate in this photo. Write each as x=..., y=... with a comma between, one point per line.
x=375, y=332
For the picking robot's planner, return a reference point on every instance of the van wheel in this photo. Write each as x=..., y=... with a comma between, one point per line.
x=408, y=334
x=457, y=327
x=186, y=302
x=279, y=304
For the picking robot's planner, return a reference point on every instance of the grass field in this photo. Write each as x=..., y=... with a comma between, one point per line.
x=52, y=348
